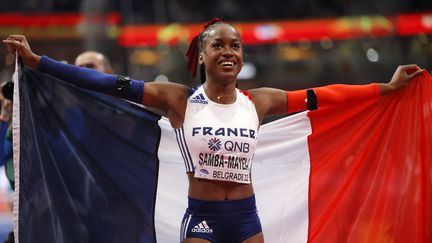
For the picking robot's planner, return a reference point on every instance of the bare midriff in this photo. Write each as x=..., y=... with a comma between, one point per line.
x=212, y=190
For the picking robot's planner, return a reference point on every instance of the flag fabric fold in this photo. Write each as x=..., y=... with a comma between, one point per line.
x=92, y=168
x=83, y=161
x=371, y=167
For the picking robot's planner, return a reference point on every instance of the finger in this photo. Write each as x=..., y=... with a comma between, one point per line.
x=20, y=39
x=418, y=72
x=15, y=44
x=411, y=66
x=16, y=37
x=410, y=69
x=11, y=41
x=415, y=74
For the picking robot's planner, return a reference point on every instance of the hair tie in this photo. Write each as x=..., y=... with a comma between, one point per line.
x=213, y=21
x=193, y=50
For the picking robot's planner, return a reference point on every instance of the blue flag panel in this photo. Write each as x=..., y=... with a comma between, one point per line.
x=88, y=165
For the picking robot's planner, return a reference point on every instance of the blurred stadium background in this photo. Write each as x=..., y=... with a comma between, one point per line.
x=288, y=44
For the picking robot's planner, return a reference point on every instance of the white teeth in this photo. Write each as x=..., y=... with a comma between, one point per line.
x=226, y=63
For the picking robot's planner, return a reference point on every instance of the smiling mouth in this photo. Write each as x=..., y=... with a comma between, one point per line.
x=227, y=63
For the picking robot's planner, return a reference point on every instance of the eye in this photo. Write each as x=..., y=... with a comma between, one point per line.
x=236, y=45
x=217, y=45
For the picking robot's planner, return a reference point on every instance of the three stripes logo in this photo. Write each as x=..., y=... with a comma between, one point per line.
x=199, y=99
x=202, y=228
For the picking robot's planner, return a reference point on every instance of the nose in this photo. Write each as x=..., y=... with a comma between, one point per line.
x=227, y=52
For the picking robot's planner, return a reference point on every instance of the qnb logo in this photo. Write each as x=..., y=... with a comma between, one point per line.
x=214, y=144
x=198, y=99
x=202, y=228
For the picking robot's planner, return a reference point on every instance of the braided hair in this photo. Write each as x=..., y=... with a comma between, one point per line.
x=197, y=45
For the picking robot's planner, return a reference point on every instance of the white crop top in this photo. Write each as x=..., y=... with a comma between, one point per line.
x=218, y=141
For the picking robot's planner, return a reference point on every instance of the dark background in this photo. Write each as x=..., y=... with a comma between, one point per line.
x=345, y=62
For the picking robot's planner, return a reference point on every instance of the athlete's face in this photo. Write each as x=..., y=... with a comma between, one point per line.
x=223, y=52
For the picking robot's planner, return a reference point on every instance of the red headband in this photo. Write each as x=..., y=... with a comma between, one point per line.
x=193, y=50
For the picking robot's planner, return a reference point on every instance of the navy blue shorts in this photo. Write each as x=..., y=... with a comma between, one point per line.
x=230, y=221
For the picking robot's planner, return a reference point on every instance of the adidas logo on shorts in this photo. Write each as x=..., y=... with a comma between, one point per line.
x=199, y=99
x=202, y=228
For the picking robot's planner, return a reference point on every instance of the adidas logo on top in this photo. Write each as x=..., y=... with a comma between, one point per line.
x=199, y=99
x=202, y=228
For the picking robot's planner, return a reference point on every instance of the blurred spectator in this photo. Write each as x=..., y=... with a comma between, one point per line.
x=95, y=60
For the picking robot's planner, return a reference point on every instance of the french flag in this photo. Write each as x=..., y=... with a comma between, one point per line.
x=92, y=168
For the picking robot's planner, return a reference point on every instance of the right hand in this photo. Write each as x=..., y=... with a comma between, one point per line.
x=18, y=44
x=401, y=78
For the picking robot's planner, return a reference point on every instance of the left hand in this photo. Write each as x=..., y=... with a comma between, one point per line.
x=401, y=78
x=19, y=44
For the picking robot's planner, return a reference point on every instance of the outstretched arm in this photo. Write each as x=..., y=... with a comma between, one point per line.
x=329, y=95
x=83, y=77
x=274, y=101
x=166, y=97
x=115, y=85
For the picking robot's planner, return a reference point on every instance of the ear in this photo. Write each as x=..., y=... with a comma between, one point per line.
x=201, y=58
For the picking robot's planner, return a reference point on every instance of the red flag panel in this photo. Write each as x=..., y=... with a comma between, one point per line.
x=371, y=168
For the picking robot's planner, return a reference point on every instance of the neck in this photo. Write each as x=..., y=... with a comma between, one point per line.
x=224, y=94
